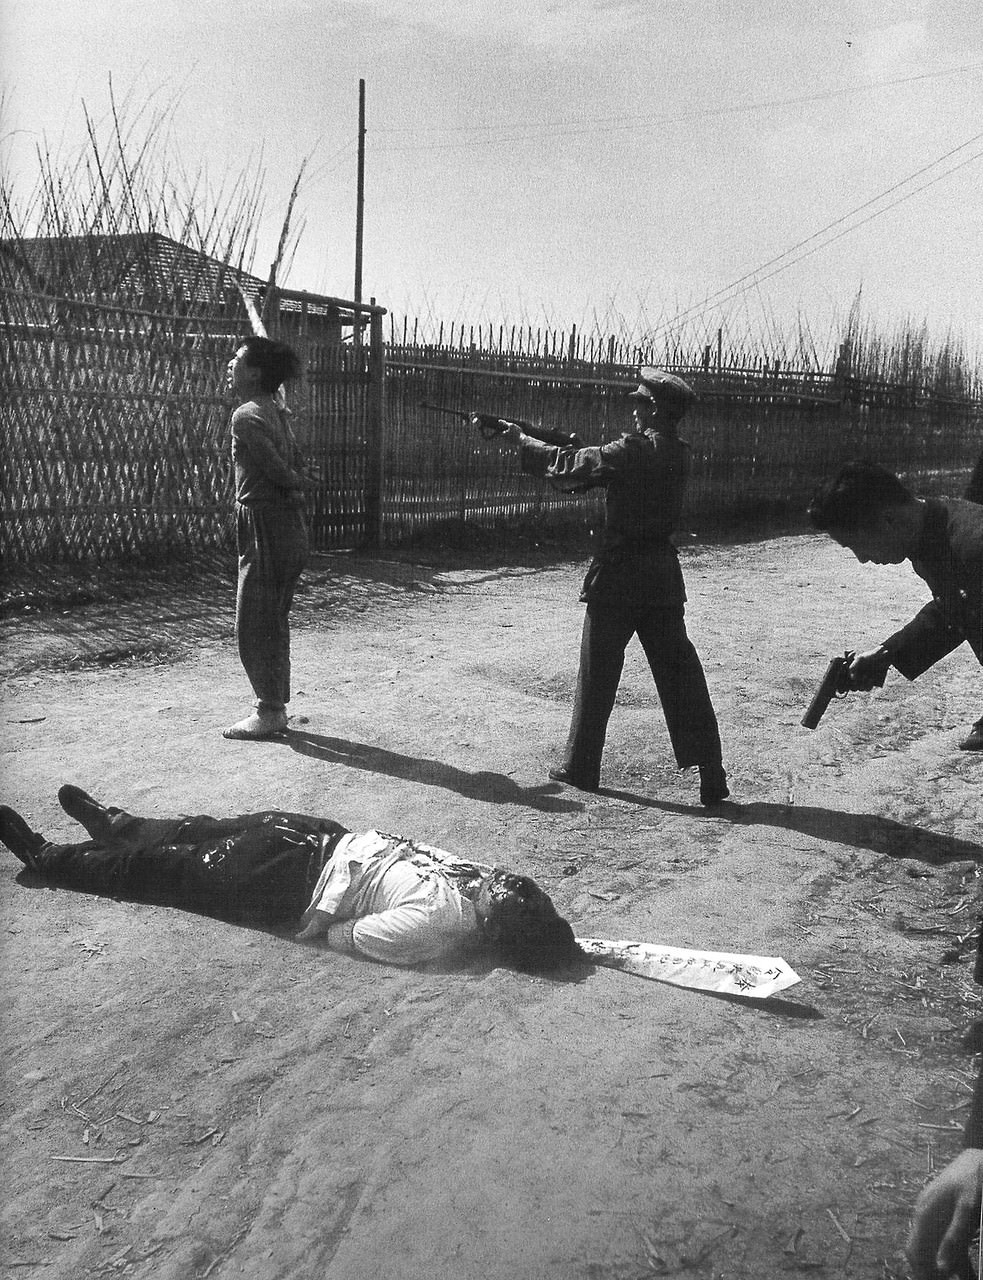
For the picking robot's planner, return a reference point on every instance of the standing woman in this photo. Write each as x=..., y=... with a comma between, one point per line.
x=271, y=532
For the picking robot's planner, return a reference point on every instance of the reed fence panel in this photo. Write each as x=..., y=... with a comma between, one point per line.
x=335, y=430
x=763, y=437
x=112, y=424
x=116, y=429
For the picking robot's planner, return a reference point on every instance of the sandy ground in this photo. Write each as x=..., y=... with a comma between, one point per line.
x=187, y=1099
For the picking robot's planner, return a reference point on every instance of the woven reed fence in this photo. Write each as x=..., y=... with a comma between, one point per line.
x=115, y=426
x=338, y=420
x=763, y=435
x=116, y=445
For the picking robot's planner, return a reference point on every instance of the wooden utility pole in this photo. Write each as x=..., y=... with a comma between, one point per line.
x=360, y=194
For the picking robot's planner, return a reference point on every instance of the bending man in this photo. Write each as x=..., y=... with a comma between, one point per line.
x=868, y=510
x=371, y=894
x=634, y=585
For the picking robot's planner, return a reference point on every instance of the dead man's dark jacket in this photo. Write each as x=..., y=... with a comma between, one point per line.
x=949, y=557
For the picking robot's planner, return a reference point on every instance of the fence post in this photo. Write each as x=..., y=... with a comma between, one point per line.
x=375, y=431
x=271, y=311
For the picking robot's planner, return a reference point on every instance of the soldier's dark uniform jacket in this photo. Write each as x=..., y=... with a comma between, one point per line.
x=634, y=586
x=645, y=476
x=950, y=559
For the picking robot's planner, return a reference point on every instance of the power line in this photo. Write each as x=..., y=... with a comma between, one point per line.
x=870, y=217
x=525, y=132
x=328, y=163
x=753, y=275
x=753, y=278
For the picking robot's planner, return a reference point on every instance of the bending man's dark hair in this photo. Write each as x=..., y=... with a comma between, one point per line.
x=856, y=495
x=276, y=362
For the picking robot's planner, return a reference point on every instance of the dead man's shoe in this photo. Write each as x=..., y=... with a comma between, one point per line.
x=713, y=784
x=265, y=722
x=22, y=842
x=975, y=740
x=559, y=774
x=95, y=817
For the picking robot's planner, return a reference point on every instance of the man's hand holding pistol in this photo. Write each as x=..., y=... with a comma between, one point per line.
x=860, y=671
x=868, y=670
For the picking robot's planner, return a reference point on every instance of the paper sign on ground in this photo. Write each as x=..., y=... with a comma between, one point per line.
x=720, y=971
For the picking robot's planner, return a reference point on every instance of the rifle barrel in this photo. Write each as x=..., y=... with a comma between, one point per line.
x=441, y=408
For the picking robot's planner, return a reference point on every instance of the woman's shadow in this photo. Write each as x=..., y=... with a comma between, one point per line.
x=497, y=788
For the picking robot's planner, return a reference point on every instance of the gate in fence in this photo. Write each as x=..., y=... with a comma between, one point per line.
x=339, y=411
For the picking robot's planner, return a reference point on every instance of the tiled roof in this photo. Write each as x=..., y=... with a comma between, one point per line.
x=120, y=266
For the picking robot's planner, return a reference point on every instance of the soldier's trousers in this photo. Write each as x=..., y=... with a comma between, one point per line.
x=260, y=868
x=679, y=679
x=273, y=548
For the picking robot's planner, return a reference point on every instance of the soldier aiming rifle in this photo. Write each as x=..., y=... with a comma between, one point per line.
x=634, y=585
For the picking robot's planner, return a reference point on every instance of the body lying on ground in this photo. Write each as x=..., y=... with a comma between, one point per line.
x=369, y=893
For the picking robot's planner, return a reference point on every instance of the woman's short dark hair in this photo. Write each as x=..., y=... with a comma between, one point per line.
x=856, y=496
x=528, y=931
x=276, y=362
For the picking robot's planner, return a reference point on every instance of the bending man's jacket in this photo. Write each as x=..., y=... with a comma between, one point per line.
x=949, y=558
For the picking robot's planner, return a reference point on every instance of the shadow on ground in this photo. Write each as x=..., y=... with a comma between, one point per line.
x=484, y=784
x=862, y=830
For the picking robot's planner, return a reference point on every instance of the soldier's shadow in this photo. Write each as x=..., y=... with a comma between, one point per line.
x=484, y=784
x=862, y=830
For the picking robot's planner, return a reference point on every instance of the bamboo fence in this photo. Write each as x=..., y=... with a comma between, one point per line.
x=115, y=423
x=116, y=444
x=763, y=434
x=112, y=422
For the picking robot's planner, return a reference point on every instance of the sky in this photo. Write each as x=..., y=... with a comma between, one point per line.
x=627, y=166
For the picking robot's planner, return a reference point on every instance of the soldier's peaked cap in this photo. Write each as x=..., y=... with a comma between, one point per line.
x=665, y=388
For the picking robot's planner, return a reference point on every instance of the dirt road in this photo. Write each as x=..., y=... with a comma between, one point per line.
x=189, y=1099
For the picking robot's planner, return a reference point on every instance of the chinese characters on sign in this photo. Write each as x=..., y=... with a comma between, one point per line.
x=718, y=971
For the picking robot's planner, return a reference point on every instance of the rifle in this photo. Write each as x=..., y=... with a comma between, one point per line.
x=491, y=426
x=835, y=683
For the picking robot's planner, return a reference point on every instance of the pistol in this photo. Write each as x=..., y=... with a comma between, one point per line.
x=834, y=682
